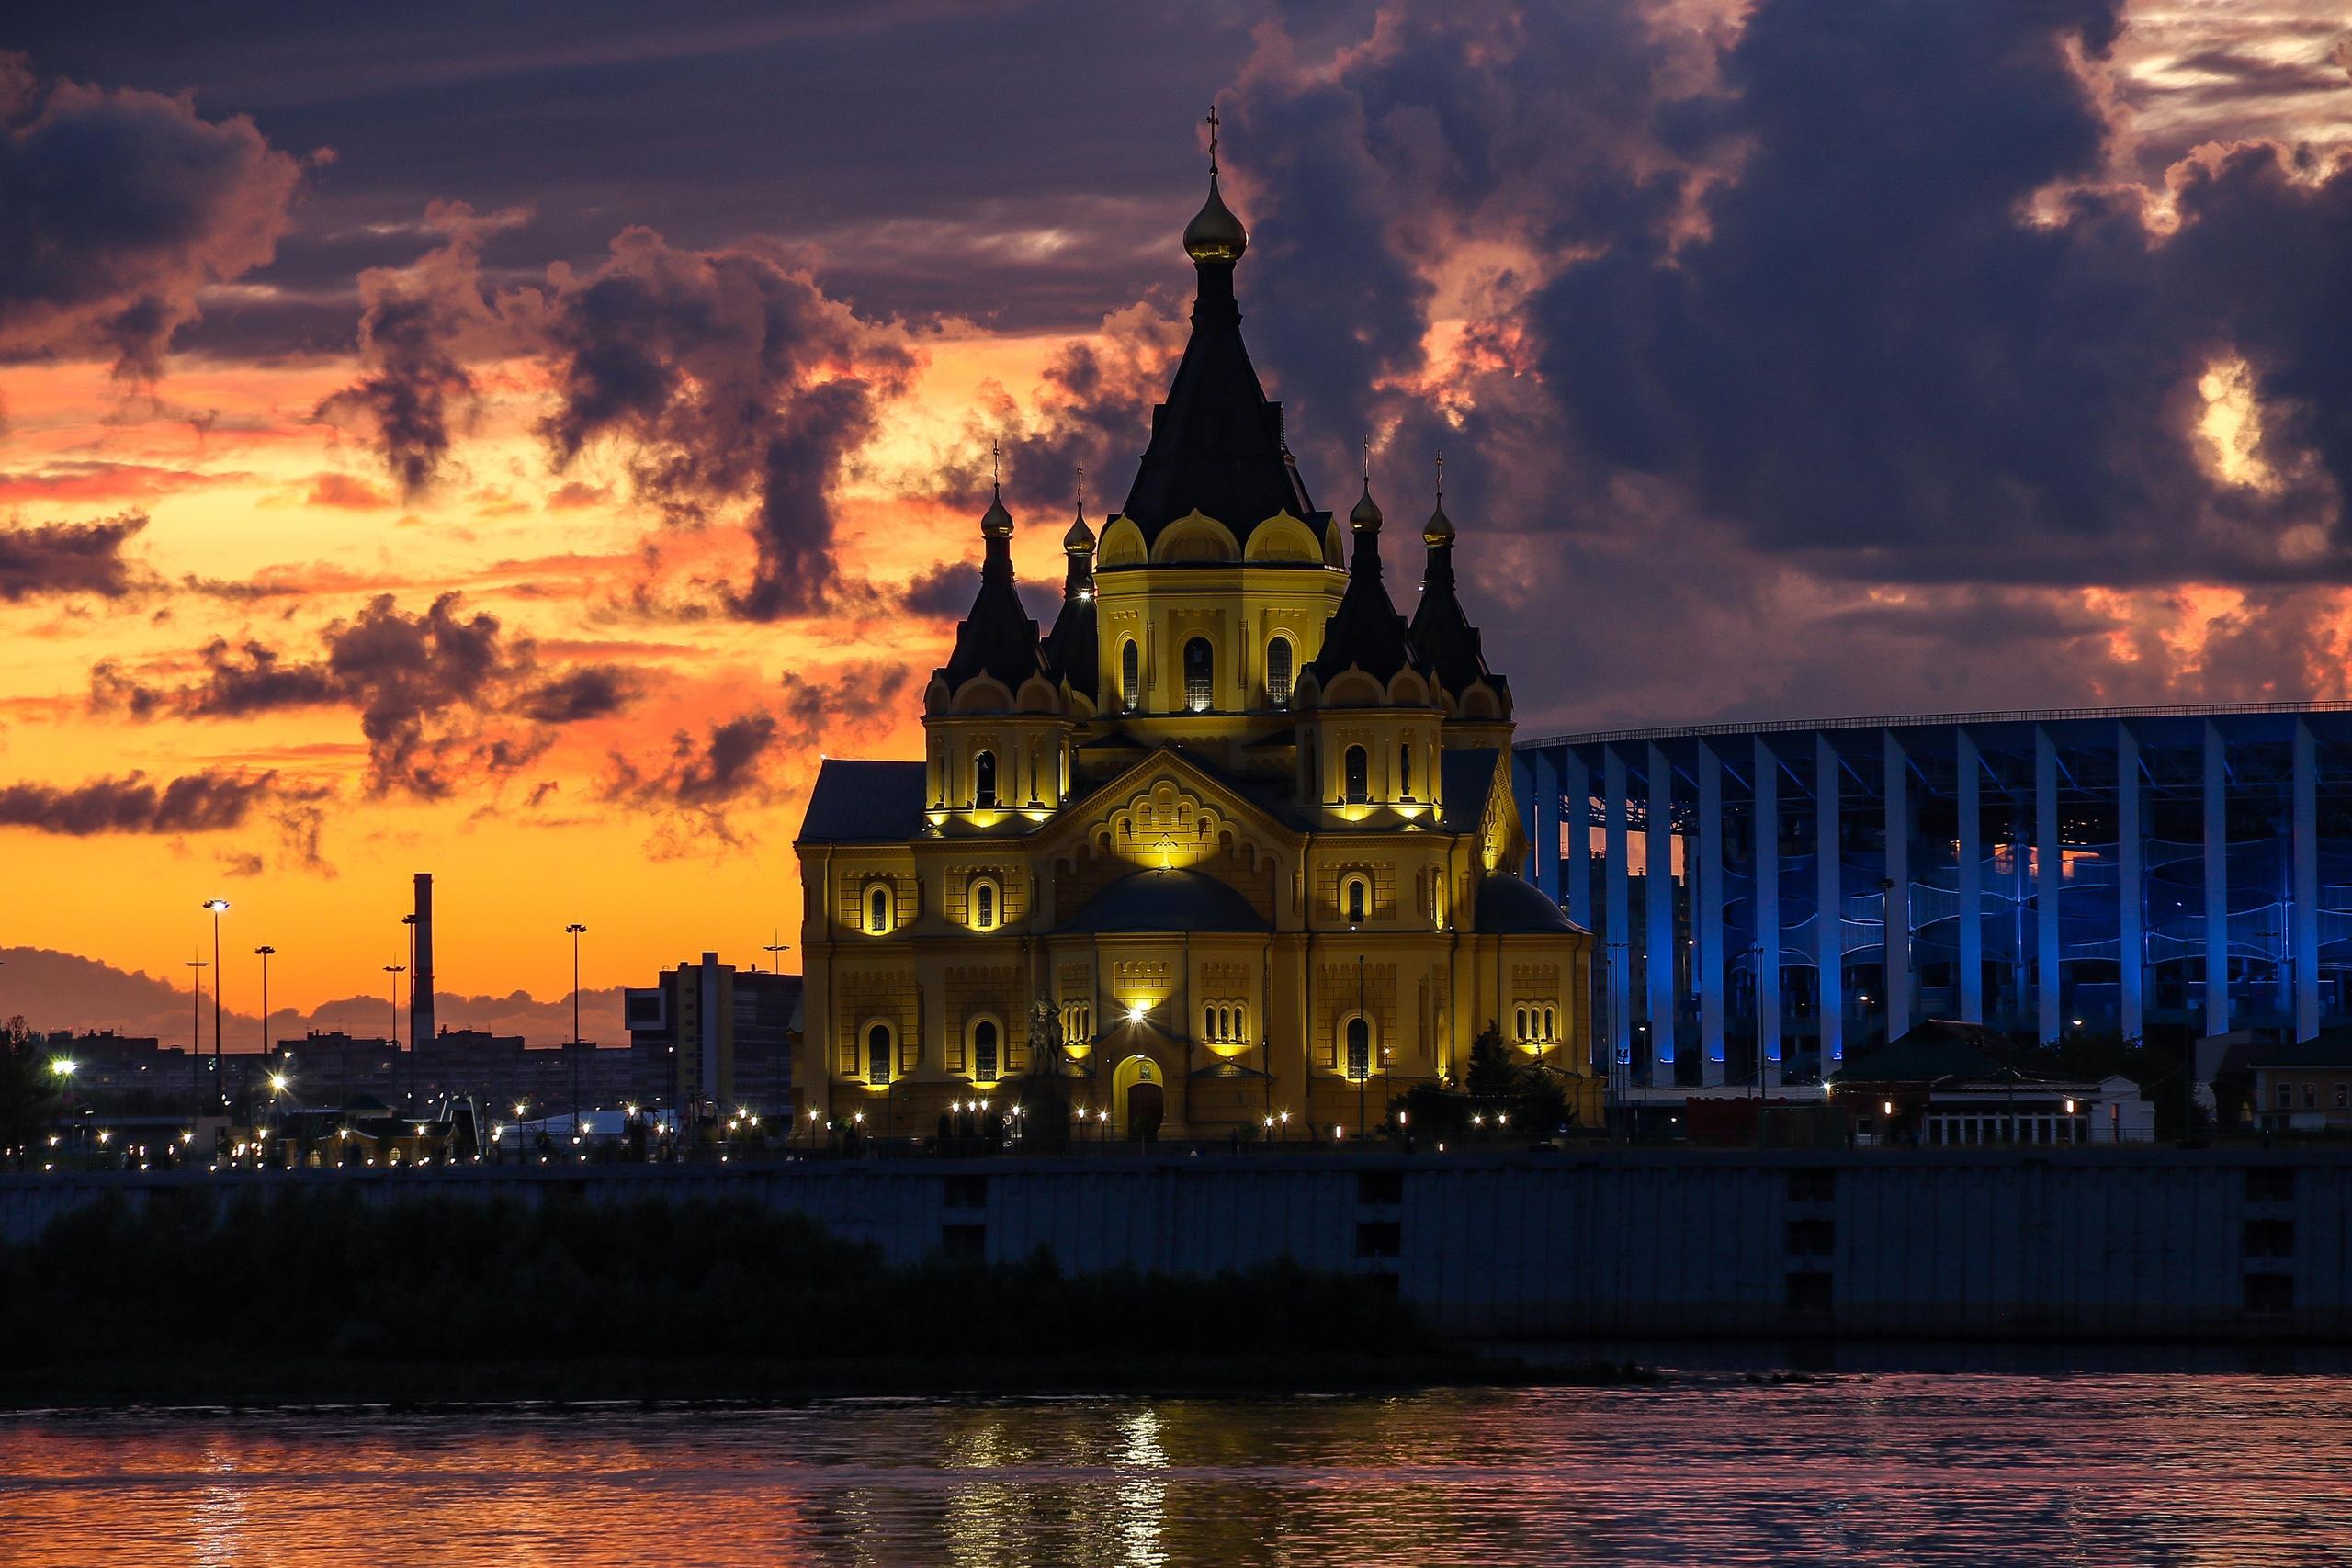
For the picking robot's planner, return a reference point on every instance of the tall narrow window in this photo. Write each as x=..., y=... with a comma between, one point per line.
x=1522, y=1024
x=878, y=1054
x=984, y=1050
x=1551, y=1026
x=878, y=910
x=1130, y=675
x=1359, y=1049
x=1405, y=773
x=984, y=907
x=1225, y=1023
x=1357, y=765
x=984, y=779
x=1354, y=899
x=1209, y=1024
x=1278, y=660
x=1200, y=676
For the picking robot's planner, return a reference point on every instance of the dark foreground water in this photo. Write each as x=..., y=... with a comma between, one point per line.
x=2170, y=1467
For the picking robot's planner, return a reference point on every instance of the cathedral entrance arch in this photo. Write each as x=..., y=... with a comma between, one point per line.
x=1139, y=1097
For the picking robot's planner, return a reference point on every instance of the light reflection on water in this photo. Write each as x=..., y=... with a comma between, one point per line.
x=2151, y=1468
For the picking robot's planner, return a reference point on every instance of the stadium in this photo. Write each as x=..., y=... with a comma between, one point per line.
x=2140, y=874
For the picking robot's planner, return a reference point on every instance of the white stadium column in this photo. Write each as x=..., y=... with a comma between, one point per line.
x=1896, y=907
x=1546, y=826
x=1767, y=838
x=2049, y=872
x=1617, y=905
x=1575, y=814
x=2217, y=883
x=1829, y=906
x=2305, y=915
x=1707, y=903
x=1970, y=773
x=1658, y=906
x=2131, y=894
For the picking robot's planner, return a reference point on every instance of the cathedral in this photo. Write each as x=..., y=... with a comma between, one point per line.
x=1232, y=848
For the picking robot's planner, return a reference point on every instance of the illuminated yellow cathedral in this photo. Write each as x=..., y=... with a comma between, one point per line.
x=1232, y=842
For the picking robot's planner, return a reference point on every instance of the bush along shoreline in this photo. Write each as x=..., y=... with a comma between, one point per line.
x=306, y=1297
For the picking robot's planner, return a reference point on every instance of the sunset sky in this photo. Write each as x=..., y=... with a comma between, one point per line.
x=513, y=441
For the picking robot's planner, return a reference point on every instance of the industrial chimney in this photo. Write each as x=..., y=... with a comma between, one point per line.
x=420, y=990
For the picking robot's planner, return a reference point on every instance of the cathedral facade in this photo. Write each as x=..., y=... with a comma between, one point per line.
x=1232, y=844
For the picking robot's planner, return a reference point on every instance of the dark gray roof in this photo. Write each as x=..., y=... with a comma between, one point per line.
x=1940, y=1048
x=1166, y=902
x=2331, y=1049
x=1467, y=775
x=1508, y=905
x=856, y=803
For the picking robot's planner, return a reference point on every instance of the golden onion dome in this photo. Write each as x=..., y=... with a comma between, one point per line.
x=996, y=523
x=1214, y=234
x=1079, y=540
x=1367, y=515
x=1439, y=529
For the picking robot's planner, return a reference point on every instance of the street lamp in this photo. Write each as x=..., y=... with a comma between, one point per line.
x=396, y=971
x=195, y=967
x=775, y=949
x=575, y=929
x=263, y=952
x=218, y=907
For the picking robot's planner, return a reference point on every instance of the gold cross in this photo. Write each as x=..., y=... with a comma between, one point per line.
x=1441, y=475
x=1081, y=489
x=996, y=466
x=1212, y=124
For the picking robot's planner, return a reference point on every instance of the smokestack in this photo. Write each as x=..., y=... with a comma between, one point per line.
x=420, y=990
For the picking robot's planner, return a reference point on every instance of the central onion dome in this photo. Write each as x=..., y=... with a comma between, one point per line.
x=1365, y=518
x=996, y=523
x=1214, y=234
x=1437, y=532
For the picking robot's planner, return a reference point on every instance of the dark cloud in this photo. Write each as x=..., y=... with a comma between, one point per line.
x=857, y=699
x=418, y=327
x=726, y=376
x=945, y=591
x=117, y=209
x=444, y=697
x=588, y=691
x=68, y=558
x=197, y=803
x=689, y=790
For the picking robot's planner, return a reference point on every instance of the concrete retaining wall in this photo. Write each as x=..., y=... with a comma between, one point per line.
x=2204, y=1245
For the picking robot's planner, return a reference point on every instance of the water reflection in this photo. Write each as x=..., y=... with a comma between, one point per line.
x=2174, y=1469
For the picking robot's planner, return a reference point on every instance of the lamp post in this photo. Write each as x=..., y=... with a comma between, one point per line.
x=775, y=949
x=576, y=931
x=195, y=967
x=410, y=921
x=396, y=971
x=263, y=952
x=218, y=907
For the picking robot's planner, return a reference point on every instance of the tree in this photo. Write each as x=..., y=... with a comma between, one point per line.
x=28, y=1089
x=1491, y=1071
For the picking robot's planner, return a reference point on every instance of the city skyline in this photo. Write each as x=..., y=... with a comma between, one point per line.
x=453, y=464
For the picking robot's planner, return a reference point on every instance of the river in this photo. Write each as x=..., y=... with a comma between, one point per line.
x=1707, y=1467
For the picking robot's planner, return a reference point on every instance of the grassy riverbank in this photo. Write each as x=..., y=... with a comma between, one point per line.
x=306, y=1297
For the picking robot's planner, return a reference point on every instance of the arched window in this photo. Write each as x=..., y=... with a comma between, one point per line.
x=1405, y=773
x=1522, y=1024
x=1200, y=676
x=1278, y=669
x=984, y=1050
x=1358, y=767
x=984, y=779
x=878, y=1054
x=1241, y=1022
x=1355, y=897
x=1551, y=1030
x=1359, y=1049
x=1209, y=1024
x=984, y=901
x=1130, y=675
x=878, y=910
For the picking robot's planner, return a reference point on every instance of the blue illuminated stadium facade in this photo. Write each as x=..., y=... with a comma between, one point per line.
x=2053, y=874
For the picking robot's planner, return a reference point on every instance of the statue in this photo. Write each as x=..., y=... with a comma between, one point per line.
x=1045, y=1088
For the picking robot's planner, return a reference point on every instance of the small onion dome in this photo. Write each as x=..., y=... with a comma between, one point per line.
x=1214, y=234
x=996, y=523
x=1365, y=518
x=1079, y=540
x=1439, y=529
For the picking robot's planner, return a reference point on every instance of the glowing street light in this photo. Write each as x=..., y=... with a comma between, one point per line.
x=61, y=1066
